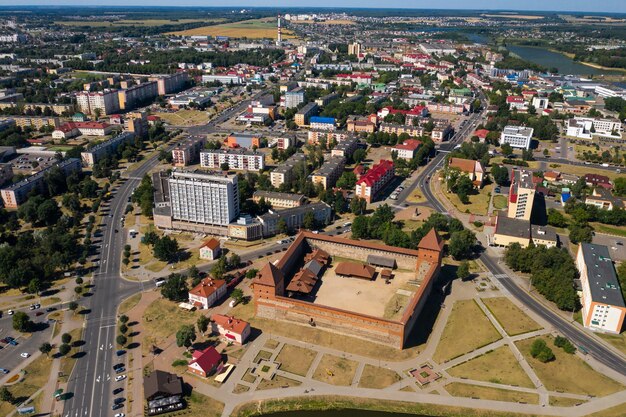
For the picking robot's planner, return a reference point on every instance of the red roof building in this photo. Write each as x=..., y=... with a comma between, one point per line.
x=207, y=292
x=205, y=362
x=232, y=329
x=407, y=149
x=375, y=180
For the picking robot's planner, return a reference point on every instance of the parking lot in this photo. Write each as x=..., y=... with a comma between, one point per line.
x=28, y=162
x=616, y=245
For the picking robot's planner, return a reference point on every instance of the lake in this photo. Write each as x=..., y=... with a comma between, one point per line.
x=341, y=413
x=551, y=59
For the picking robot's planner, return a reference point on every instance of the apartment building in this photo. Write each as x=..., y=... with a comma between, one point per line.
x=315, y=136
x=169, y=84
x=107, y=102
x=294, y=217
x=304, y=114
x=603, y=305
x=72, y=129
x=322, y=123
x=324, y=100
x=413, y=131
x=284, y=173
x=16, y=194
x=139, y=94
x=187, y=152
x=587, y=127
x=374, y=180
x=361, y=124
x=329, y=172
x=92, y=155
x=517, y=136
x=240, y=159
x=294, y=98
x=36, y=122
x=279, y=200
x=521, y=194
x=282, y=143
x=345, y=148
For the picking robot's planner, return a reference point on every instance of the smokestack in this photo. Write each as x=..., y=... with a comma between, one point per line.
x=279, y=40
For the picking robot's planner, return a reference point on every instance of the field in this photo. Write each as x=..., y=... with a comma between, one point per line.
x=456, y=340
x=565, y=401
x=202, y=406
x=582, y=170
x=161, y=319
x=498, y=366
x=129, y=303
x=609, y=230
x=514, y=16
x=378, y=378
x=186, y=117
x=325, y=22
x=568, y=373
x=617, y=340
x=37, y=374
x=68, y=361
x=499, y=202
x=486, y=393
x=511, y=318
x=335, y=370
x=253, y=29
x=478, y=203
x=278, y=382
x=131, y=22
x=296, y=360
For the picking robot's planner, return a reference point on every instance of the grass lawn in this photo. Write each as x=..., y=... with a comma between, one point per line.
x=254, y=28
x=498, y=366
x=511, y=317
x=379, y=378
x=478, y=203
x=187, y=117
x=617, y=411
x=499, y=202
x=199, y=405
x=609, y=230
x=277, y=382
x=129, y=303
x=457, y=389
x=586, y=169
x=416, y=197
x=568, y=373
x=564, y=401
x=335, y=370
x=324, y=338
x=248, y=377
x=239, y=389
x=271, y=344
x=456, y=340
x=67, y=361
x=37, y=374
x=395, y=307
x=617, y=340
x=296, y=360
x=263, y=354
x=163, y=318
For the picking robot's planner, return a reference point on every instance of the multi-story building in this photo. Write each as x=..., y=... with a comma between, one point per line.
x=225, y=79
x=243, y=140
x=345, y=148
x=203, y=197
x=92, y=155
x=521, y=195
x=137, y=122
x=16, y=194
x=517, y=136
x=602, y=301
x=107, y=101
x=207, y=292
x=413, y=131
x=361, y=124
x=587, y=127
x=322, y=123
x=294, y=217
x=282, y=142
x=139, y=94
x=407, y=149
x=324, y=100
x=71, y=129
x=314, y=136
x=168, y=84
x=279, y=200
x=294, y=98
x=240, y=159
x=36, y=122
x=187, y=152
x=305, y=113
x=329, y=172
x=510, y=230
x=374, y=180
x=354, y=48
x=284, y=173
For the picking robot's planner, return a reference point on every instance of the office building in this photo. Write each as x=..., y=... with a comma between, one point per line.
x=521, y=194
x=106, y=102
x=240, y=159
x=284, y=173
x=517, y=137
x=587, y=127
x=294, y=217
x=602, y=301
x=92, y=155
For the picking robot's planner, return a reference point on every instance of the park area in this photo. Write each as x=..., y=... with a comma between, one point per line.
x=513, y=320
x=186, y=117
x=456, y=340
x=252, y=29
x=458, y=389
x=335, y=370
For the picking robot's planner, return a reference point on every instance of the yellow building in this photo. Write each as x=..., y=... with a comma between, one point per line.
x=521, y=195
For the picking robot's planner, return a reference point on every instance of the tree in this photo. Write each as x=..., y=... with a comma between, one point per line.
x=79, y=280
x=66, y=338
x=463, y=272
x=123, y=318
x=175, y=288
x=123, y=328
x=121, y=340
x=237, y=295
x=461, y=245
x=619, y=186
x=166, y=249
x=5, y=395
x=359, y=155
x=48, y=212
x=360, y=227
x=73, y=305
x=185, y=336
x=34, y=286
x=579, y=233
x=347, y=181
x=500, y=174
x=234, y=261
x=358, y=205
x=506, y=149
x=21, y=322
x=64, y=349
x=203, y=324
x=224, y=166
x=282, y=226
x=309, y=221
x=45, y=348
x=556, y=218
x=251, y=273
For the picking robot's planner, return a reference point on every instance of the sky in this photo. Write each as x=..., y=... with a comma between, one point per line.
x=605, y=6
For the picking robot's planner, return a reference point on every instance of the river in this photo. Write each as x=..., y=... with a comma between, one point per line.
x=341, y=413
x=550, y=59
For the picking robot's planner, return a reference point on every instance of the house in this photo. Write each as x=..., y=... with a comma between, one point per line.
x=407, y=149
x=355, y=270
x=595, y=180
x=604, y=199
x=207, y=292
x=205, y=362
x=163, y=392
x=481, y=134
x=552, y=176
x=473, y=169
x=516, y=102
x=233, y=329
x=210, y=250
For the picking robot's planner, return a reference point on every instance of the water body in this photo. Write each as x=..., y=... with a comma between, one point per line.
x=550, y=59
x=341, y=413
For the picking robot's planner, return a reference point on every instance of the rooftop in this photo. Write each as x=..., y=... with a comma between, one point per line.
x=512, y=227
x=603, y=282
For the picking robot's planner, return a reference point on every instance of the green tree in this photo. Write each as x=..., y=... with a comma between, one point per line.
x=461, y=245
x=358, y=205
x=234, y=261
x=237, y=295
x=347, y=181
x=64, y=349
x=123, y=328
x=121, y=340
x=21, y=322
x=203, y=324
x=175, y=288
x=619, y=186
x=185, y=336
x=309, y=221
x=360, y=227
x=48, y=212
x=45, y=348
x=251, y=273
x=506, y=149
x=34, y=286
x=5, y=395
x=123, y=318
x=463, y=272
x=66, y=338
x=556, y=218
x=500, y=174
x=282, y=226
x=359, y=155
x=578, y=233
x=73, y=305
x=166, y=249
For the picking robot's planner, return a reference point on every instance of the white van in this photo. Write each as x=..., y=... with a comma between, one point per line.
x=159, y=281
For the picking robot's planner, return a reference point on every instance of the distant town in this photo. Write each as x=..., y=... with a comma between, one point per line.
x=234, y=212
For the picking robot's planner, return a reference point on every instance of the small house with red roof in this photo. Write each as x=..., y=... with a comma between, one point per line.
x=210, y=250
x=374, y=180
x=231, y=328
x=207, y=292
x=205, y=362
x=473, y=169
x=516, y=102
x=481, y=134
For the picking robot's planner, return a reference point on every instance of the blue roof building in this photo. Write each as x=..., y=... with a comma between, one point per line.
x=324, y=120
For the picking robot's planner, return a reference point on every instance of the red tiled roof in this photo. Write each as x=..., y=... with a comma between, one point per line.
x=353, y=269
x=432, y=241
x=230, y=323
x=207, y=359
x=376, y=173
x=409, y=144
x=269, y=275
x=211, y=244
x=207, y=287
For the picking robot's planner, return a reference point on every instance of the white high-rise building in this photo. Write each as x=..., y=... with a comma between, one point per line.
x=107, y=101
x=517, y=137
x=204, y=197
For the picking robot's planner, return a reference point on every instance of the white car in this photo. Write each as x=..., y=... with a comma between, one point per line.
x=25, y=355
x=120, y=378
x=10, y=312
x=120, y=415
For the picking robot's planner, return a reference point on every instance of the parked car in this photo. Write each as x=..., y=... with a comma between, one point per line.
x=116, y=406
x=117, y=390
x=120, y=352
x=4, y=371
x=119, y=400
x=25, y=355
x=120, y=378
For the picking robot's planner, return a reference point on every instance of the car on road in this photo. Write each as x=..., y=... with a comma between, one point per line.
x=116, y=406
x=120, y=352
x=119, y=400
x=4, y=371
x=120, y=415
x=49, y=309
x=120, y=378
x=25, y=355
